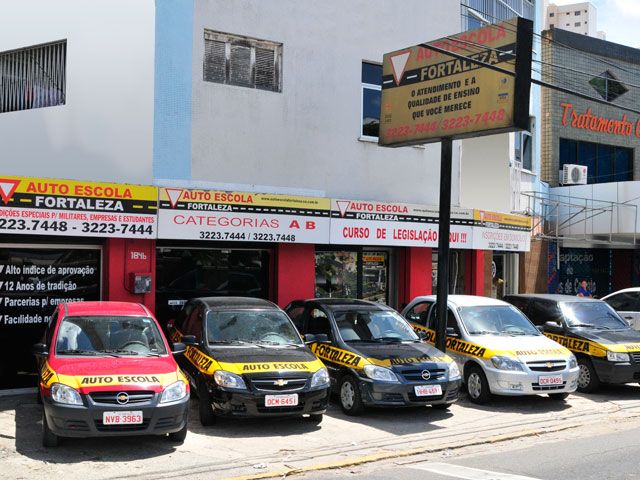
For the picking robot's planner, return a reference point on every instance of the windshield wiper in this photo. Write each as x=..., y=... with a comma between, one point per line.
x=270, y=342
x=227, y=342
x=588, y=325
x=119, y=351
x=77, y=352
x=482, y=332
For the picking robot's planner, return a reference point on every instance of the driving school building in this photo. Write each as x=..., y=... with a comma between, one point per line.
x=206, y=155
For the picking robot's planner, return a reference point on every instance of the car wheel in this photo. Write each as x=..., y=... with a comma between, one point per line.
x=477, y=385
x=178, y=436
x=560, y=397
x=49, y=439
x=442, y=406
x=588, y=380
x=315, y=418
x=205, y=409
x=350, y=398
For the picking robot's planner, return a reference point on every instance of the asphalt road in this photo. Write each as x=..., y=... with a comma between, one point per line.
x=608, y=456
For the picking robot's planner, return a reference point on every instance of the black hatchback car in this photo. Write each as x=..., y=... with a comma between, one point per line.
x=245, y=358
x=607, y=349
x=373, y=355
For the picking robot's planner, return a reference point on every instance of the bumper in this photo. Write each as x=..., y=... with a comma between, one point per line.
x=380, y=394
x=86, y=420
x=610, y=372
x=504, y=382
x=248, y=404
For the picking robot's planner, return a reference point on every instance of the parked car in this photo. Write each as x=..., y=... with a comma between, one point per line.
x=245, y=358
x=106, y=369
x=627, y=303
x=607, y=348
x=497, y=348
x=373, y=356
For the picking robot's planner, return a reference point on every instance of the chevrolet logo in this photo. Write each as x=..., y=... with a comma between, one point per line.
x=281, y=382
x=549, y=365
x=122, y=398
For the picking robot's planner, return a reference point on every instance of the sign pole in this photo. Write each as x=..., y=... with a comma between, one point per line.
x=443, y=241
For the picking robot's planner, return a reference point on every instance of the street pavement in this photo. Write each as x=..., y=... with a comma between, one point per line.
x=272, y=448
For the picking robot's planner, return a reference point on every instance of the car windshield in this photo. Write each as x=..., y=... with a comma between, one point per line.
x=266, y=327
x=109, y=335
x=373, y=326
x=592, y=315
x=496, y=320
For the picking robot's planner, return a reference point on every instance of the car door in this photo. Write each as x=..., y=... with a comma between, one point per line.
x=418, y=315
x=627, y=304
x=316, y=322
x=191, y=324
x=453, y=331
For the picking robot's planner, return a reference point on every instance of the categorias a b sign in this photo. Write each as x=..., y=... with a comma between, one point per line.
x=428, y=94
x=242, y=216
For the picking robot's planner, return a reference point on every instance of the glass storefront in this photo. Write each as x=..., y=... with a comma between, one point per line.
x=33, y=281
x=184, y=273
x=456, y=272
x=504, y=274
x=356, y=273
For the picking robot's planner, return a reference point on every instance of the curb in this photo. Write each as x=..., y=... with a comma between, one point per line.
x=376, y=457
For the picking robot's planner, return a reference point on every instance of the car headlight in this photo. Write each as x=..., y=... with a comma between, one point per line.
x=64, y=394
x=454, y=371
x=506, y=363
x=375, y=372
x=617, y=356
x=174, y=392
x=320, y=378
x=228, y=380
x=573, y=361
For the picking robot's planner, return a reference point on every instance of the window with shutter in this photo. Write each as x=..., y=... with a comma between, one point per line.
x=242, y=61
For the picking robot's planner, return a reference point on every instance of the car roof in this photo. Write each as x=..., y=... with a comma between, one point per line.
x=464, y=300
x=337, y=303
x=102, y=308
x=624, y=290
x=222, y=303
x=552, y=297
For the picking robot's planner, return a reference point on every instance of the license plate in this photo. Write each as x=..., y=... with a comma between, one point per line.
x=550, y=380
x=427, y=390
x=290, y=400
x=122, y=418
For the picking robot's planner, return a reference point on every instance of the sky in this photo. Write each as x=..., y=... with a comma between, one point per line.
x=618, y=18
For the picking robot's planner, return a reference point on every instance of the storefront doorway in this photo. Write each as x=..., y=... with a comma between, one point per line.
x=34, y=279
x=504, y=274
x=184, y=273
x=363, y=273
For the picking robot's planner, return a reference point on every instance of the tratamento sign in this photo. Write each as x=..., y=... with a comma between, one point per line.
x=428, y=95
x=43, y=206
x=242, y=216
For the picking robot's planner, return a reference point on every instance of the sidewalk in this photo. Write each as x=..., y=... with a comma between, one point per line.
x=275, y=447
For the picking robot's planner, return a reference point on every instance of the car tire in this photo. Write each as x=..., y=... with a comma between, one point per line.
x=477, y=385
x=442, y=406
x=560, y=397
x=179, y=436
x=588, y=380
x=49, y=439
x=315, y=418
x=205, y=409
x=350, y=396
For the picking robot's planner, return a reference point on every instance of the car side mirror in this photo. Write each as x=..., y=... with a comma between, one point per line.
x=552, y=326
x=451, y=332
x=40, y=349
x=189, y=340
x=178, y=348
x=421, y=335
x=317, y=337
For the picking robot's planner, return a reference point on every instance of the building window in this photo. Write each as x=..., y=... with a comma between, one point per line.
x=33, y=77
x=605, y=163
x=242, y=61
x=577, y=24
x=551, y=26
x=608, y=86
x=577, y=12
x=371, y=93
x=552, y=14
x=524, y=157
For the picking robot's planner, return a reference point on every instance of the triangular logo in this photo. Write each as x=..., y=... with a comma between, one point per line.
x=174, y=195
x=343, y=205
x=399, y=63
x=7, y=187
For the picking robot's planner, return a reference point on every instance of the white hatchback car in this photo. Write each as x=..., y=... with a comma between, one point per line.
x=497, y=348
x=627, y=303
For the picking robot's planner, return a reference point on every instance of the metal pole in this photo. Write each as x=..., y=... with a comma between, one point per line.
x=443, y=242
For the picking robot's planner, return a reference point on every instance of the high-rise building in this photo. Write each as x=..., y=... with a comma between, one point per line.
x=579, y=18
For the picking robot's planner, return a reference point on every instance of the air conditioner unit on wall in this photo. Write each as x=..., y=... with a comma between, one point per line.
x=573, y=175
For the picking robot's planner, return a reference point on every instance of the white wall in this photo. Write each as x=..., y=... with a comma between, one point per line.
x=105, y=130
x=307, y=136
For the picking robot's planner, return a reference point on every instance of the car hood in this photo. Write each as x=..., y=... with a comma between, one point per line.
x=252, y=359
x=528, y=347
x=106, y=373
x=627, y=340
x=399, y=353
